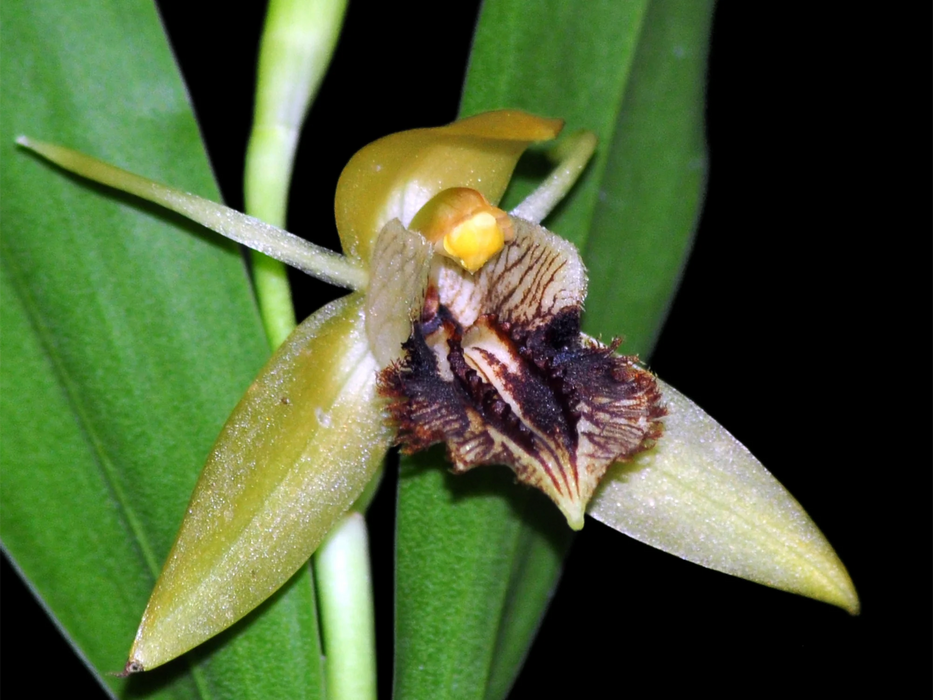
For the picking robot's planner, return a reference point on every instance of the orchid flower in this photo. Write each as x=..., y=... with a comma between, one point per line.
x=463, y=327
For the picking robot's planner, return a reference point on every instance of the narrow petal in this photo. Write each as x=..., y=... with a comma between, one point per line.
x=572, y=154
x=701, y=495
x=294, y=455
x=395, y=176
x=275, y=242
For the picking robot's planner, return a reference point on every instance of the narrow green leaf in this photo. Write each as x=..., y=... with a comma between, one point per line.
x=634, y=74
x=450, y=597
x=128, y=336
x=651, y=189
x=612, y=68
x=557, y=59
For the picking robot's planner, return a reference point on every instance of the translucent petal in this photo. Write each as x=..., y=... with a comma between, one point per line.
x=398, y=281
x=394, y=177
x=296, y=452
x=701, y=495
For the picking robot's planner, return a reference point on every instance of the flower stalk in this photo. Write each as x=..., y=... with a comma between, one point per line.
x=298, y=40
x=344, y=584
x=299, y=37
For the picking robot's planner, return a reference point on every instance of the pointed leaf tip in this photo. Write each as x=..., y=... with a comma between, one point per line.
x=701, y=495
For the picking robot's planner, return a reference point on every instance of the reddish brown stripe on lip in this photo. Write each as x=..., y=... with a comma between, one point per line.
x=503, y=375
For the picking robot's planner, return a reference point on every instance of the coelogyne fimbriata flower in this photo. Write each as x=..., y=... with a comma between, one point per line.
x=463, y=327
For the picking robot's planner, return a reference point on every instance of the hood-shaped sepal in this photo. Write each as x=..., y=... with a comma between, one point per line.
x=394, y=177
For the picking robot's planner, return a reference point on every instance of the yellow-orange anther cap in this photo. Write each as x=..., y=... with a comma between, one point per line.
x=463, y=225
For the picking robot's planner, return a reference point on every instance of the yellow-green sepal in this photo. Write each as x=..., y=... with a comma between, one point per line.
x=392, y=178
x=297, y=451
x=702, y=496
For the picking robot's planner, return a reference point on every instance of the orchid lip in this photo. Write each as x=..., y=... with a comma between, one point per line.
x=497, y=369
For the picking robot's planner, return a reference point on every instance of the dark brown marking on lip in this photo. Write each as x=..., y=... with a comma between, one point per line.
x=520, y=385
x=543, y=409
x=486, y=399
x=496, y=411
x=546, y=265
x=431, y=304
x=555, y=379
x=426, y=408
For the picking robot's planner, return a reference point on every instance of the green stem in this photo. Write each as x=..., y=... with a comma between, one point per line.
x=297, y=44
x=341, y=567
x=274, y=295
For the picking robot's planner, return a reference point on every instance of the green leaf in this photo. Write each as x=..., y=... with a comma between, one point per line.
x=637, y=72
x=474, y=544
x=479, y=560
x=128, y=337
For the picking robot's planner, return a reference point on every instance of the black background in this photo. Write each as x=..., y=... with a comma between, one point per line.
x=802, y=325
